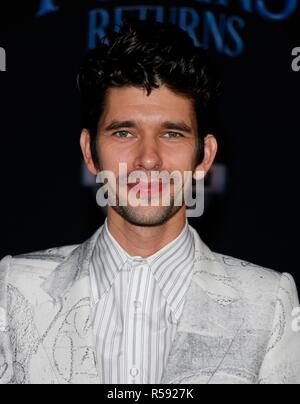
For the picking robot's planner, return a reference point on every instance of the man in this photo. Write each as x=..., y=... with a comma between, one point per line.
x=145, y=300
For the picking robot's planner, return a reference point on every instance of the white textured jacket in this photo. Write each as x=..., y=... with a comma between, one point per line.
x=237, y=326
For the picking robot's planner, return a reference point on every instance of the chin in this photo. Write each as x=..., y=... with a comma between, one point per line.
x=147, y=216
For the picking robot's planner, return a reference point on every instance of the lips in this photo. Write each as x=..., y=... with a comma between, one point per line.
x=148, y=187
x=145, y=186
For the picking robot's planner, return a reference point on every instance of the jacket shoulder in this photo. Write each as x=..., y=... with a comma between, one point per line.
x=252, y=281
x=241, y=267
x=57, y=254
x=38, y=264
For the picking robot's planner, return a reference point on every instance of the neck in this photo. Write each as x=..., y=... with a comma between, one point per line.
x=144, y=241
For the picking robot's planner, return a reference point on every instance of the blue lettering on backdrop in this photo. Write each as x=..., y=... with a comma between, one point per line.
x=260, y=6
x=289, y=7
x=246, y=5
x=188, y=20
x=214, y=30
x=98, y=23
x=234, y=24
x=206, y=29
x=46, y=7
x=209, y=29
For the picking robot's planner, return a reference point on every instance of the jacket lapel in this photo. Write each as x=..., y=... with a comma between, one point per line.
x=69, y=341
x=210, y=323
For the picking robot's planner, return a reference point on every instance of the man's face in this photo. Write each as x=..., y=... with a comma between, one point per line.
x=153, y=133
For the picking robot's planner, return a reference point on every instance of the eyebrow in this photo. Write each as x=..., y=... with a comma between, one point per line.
x=180, y=125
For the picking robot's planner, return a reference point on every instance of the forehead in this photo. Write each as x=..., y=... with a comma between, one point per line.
x=132, y=102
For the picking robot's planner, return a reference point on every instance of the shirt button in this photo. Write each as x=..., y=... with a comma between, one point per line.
x=137, y=304
x=134, y=372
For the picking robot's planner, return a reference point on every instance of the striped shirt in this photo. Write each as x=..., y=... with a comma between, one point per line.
x=137, y=305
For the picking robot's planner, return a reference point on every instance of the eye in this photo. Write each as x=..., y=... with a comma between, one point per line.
x=122, y=134
x=175, y=135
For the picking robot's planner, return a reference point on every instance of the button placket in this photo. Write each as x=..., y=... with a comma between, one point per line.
x=131, y=374
x=135, y=318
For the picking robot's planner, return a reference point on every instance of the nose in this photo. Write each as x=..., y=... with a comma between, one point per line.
x=148, y=156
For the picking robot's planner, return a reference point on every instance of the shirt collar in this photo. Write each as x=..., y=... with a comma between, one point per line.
x=172, y=266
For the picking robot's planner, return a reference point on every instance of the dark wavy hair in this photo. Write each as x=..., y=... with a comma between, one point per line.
x=147, y=54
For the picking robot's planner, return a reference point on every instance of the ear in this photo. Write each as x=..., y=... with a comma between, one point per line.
x=85, y=144
x=210, y=151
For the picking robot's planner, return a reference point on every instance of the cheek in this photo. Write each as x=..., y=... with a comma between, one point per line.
x=111, y=156
x=182, y=159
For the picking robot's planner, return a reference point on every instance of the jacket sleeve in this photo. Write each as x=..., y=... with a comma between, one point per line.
x=6, y=366
x=281, y=364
